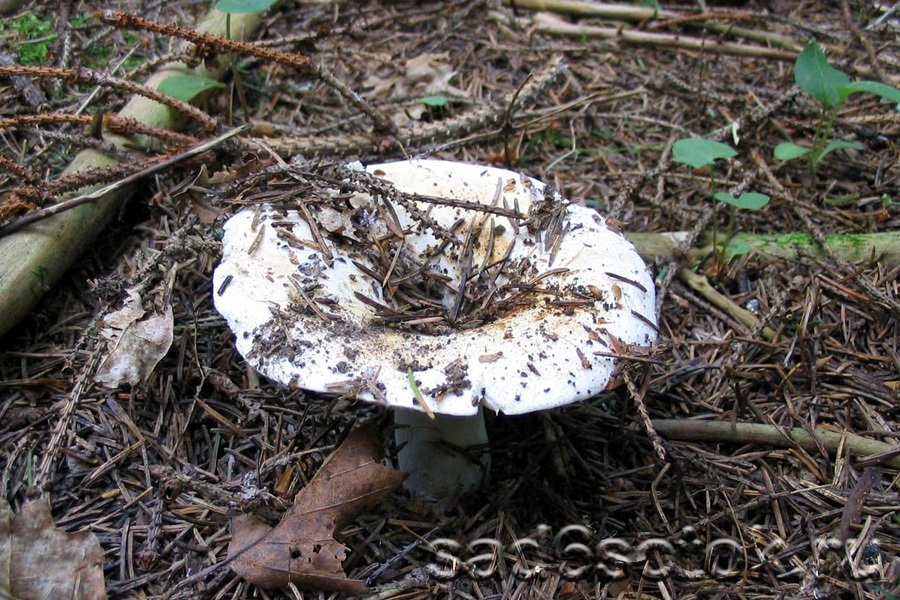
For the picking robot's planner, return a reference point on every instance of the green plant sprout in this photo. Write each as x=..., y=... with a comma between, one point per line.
x=243, y=6
x=699, y=153
x=830, y=87
x=230, y=7
x=435, y=101
x=33, y=35
x=187, y=87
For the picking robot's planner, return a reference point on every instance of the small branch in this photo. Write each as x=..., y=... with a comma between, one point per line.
x=863, y=281
x=625, y=12
x=757, y=433
x=20, y=171
x=602, y=10
x=34, y=258
x=55, y=209
x=304, y=64
x=549, y=24
x=639, y=395
x=701, y=285
x=206, y=41
x=118, y=124
x=429, y=134
x=866, y=44
x=29, y=92
x=83, y=75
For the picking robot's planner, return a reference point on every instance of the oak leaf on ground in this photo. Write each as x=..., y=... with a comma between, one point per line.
x=38, y=560
x=301, y=549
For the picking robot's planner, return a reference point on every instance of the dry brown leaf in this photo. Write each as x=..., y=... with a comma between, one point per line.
x=39, y=561
x=431, y=73
x=136, y=346
x=301, y=549
x=428, y=73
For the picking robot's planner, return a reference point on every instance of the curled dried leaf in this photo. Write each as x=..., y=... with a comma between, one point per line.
x=301, y=549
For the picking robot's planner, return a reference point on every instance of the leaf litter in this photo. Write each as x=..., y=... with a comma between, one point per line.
x=602, y=134
x=136, y=345
x=40, y=561
x=301, y=549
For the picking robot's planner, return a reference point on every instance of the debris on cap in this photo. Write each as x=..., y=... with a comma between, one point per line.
x=549, y=299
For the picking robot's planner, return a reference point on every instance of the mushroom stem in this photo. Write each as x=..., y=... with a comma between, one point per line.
x=445, y=457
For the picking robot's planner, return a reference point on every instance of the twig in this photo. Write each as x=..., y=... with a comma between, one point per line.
x=638, y=396
x=431, y=134
x=113, y=122
x=625, y=12
x=65, y=205
x=205, y=41
x=65, y=409
x=619, y=12
x=759, y=433
x=20, y=171
x=551, y=25
x=885, y=300
x=83, y=75
x=701, y=285
x=866, y=44
x=663, y=18
x=30, y=93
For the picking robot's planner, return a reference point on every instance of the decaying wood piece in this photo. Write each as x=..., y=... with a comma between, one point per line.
x=33, y=259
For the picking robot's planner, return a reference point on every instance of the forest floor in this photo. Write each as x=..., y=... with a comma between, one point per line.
x=798, y=346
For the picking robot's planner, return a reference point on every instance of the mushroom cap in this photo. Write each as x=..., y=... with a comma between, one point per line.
x=548, y=353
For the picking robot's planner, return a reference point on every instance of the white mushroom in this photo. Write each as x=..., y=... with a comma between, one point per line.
x=548, y=304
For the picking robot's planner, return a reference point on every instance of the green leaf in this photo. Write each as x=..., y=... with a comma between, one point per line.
x=243, y=6
x=789, y=151
x=654, y=4
x=839, y=145
x=699, y=152
x=877, y=88
x=841, y=200
x=187, y=87
x=746, y=201
x=436, y=101
x=34, y=38
x=737, y=248
x=817, y=78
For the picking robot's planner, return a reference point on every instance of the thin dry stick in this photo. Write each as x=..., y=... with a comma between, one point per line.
x=19, y=171
x=638, y=397
x=83, y=75
x=551, y=25
x=44, y=213
x=66, y=410
x=864, y=282
x=625, y=12
x=28, y=91
x=866, y=44
x=758, y=433
x=113, y=122
x=206, y=41
x=430, y=134
x=831, y=244
x=701, y=285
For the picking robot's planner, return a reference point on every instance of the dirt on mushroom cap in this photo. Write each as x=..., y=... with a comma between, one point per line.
x=299, y=318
